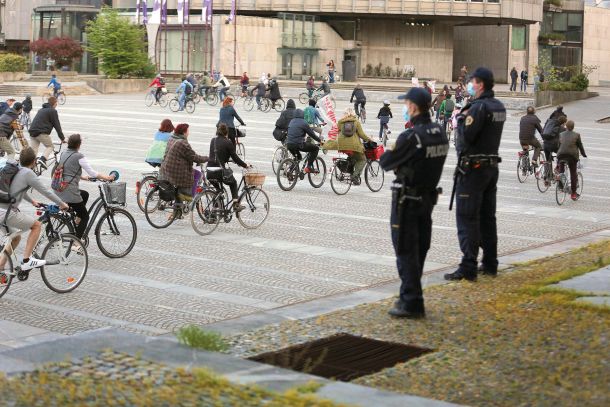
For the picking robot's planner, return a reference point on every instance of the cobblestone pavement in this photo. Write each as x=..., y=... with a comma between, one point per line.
x=313, y=244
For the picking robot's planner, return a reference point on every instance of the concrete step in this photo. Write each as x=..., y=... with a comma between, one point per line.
x=22, y=90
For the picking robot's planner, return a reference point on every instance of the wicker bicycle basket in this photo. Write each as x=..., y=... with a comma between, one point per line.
x=116, y=193
x=255, y=179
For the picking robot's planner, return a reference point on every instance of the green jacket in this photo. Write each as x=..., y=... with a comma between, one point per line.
x=351, y=143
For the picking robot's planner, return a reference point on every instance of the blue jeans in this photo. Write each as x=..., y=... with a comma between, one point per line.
x=383, y=124
x=182, y=100
x=223, y=93
x=523, y=86
x=331, y=76
x=258, y=101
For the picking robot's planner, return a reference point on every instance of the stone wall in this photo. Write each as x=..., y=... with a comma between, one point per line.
x=11, y=76
x=596, y=45
x=492, y=52
x=119, y=85
x=553, y=98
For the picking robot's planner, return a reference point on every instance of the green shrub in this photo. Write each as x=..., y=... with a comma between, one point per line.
x=12, y=63
x=195, y=337
x=580, y=82
x=387, y=72
x=368, y=71
x=378, y=69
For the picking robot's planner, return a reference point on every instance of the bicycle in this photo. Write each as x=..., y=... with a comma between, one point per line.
x=214, y=204
x=317, y=95
x=362, y=114
x=25, y=120
x=189, y=104
x=163, y=206
x=66, y=257
x=115, y=231
x=280, y=154
x=240, y=149
x=60, y=96
x=544, y=174
x=524, y=165
x=384, y=135
x=563, y=186
x=151, y=96
x=41, y=167
x=144, y=186
x=341, y=175
x=292, y=169
x=213, y=96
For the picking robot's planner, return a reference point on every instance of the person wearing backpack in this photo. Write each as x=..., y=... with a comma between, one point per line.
x=312, y=117
x=447, y=107
x=384, y=116
x=282, y=123
x=359, y=97
x=15, y=181
x=550, y=136
x=185, y=88
x=351, y=136
x=44, y=122
x=8, y=123
x=4, y=106
x=72, y=163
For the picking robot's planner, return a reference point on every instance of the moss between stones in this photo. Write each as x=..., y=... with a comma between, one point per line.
x=503, y=341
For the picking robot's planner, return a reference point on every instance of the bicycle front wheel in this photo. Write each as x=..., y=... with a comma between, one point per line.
x=374, y=176
x=266, y=105
x=240, y=149
x=288, y=174
x=189, y=106
x=159, y=213
x=61, y=98
x=280, y=155
x=146, y=185
x=256, y=203
x=340, y=182
x=149, y=99
x=279, y=105
x=304, y=98
x=580, y=183
x=6, y=275
x=206, y=213
x=116, y=233
x=212, y=99
x=318, y=176
x=174, y=105
x=363, y=115
x=163, y=100
x=249, y=104
x=66, y=263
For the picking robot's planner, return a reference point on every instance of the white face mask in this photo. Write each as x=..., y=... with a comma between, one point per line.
x=405, y=113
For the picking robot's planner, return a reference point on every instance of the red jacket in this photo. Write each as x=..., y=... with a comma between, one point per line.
x=156, y=82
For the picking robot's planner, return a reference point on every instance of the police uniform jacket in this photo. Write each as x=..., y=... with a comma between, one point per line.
x=480, y=126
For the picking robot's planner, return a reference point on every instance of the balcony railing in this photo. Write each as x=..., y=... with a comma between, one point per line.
x=290, y=40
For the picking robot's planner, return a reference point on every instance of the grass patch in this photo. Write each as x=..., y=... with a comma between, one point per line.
x=197, y=388
x=195, y=337
x=502, y=341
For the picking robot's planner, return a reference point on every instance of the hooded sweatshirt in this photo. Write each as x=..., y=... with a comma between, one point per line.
x=10, y=115
x=45, y=121
x=298, y=129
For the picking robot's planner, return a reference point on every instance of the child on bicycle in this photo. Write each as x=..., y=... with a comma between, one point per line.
x=384, y=116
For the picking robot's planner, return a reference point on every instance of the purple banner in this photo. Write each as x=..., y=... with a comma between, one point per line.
x=144, y=6
x=232, y=15
x=206, y=12
x=163, y=11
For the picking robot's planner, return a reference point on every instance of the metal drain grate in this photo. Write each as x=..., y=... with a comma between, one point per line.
x=341, y=357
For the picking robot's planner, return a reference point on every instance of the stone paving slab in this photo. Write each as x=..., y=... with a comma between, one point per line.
x=596, y=282
x=605, y=301
x=171, y=354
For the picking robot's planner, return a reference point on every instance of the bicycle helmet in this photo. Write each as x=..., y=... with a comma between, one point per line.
x=386, y=102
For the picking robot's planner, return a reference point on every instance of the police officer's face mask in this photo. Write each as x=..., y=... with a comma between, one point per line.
x=470, y=89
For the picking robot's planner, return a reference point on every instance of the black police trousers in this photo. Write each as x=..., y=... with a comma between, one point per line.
x=476, y=218
x=411, y=234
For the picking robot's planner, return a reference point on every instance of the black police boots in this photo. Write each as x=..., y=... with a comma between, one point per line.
x=460, y=275
x=400, y=310
x=487, y=272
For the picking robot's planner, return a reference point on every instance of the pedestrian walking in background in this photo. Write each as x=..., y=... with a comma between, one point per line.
x=417, y=160
x=331, y=71
x=524, y=78
x=475, y=183
x=513, y=79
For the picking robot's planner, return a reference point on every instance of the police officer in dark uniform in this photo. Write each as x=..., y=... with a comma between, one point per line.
x=480, y=125
x=417, y=160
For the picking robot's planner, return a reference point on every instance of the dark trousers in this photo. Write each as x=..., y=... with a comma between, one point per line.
x=81, y=212
x=572, y=165
x=411, y=233
x=531, y=141
x=549, y=149
x=476, y=218
x=310, y=148
x=232, y=134
x=158, y=94
x=513, y=85
x=357, y=105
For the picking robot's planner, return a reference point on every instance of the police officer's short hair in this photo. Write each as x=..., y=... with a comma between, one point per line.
x=570, y=125
x=531, y=110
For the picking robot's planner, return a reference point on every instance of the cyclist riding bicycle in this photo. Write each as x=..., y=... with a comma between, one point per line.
x=261, y=90
x=296, y=142
x=177, y=166
x=446, y=109
x=310, y=86
x=156, y=152
x=274, y=92
x=27, y=104
x=358, y=94
x=244, y=82
x=8, y=120
x=221, y=151
x=550, y=136
x=569, y=146
x=185, y=88
x=313, y=118
x=56, y=85
x=74, y=162
x=384, y=116
x=281, y=125
x=205, y=84
x=223, y=85
x=227, y=115
x=158, y=83
x=324, y=87
x=14, y=220
x=527, y=133
x=349, y=140
x=44, y=122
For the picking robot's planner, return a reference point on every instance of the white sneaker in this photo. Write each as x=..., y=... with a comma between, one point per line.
x=34, y=263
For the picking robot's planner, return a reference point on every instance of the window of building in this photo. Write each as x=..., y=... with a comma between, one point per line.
x=574, y=33
x=493, y=1
x=518, y=40
x=560, y=21
x=396, y=61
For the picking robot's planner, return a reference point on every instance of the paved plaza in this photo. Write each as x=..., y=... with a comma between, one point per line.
x=314, y=244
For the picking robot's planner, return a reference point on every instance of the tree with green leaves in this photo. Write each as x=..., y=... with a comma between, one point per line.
x=119, y=46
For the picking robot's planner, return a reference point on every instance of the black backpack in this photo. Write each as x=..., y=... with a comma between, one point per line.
x=349, y=129
x=7, y=174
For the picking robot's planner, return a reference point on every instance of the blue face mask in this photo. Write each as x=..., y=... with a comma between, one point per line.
x=470, y=89
x=405, y=113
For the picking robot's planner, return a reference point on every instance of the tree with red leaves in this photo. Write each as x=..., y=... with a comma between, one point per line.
x=63, y=50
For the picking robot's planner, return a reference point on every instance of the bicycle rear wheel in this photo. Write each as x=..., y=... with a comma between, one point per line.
x=279, y=155
x=163, y=100
x=149, y=99
x=116, y=233
x=189, y=106
x=61, y=98
x=249, y=104
x=560, y=189
x=67, y=263
x=340, y=182
x=304, y=98
x=240, y=149
x=280, y=105
x=363, y=115
x=266, y=105
x=288, y=174
x=174, y=105
x=256, y=209
x=212, y=99
x=206, y=213
x=317, y=178
x=159, y=213
x=146, y=185
x=542, y=181
x=6, y=275
x=374, y=176
x=522, y=168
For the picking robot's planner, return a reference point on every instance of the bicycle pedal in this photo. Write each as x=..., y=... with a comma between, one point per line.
x=302, y=176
